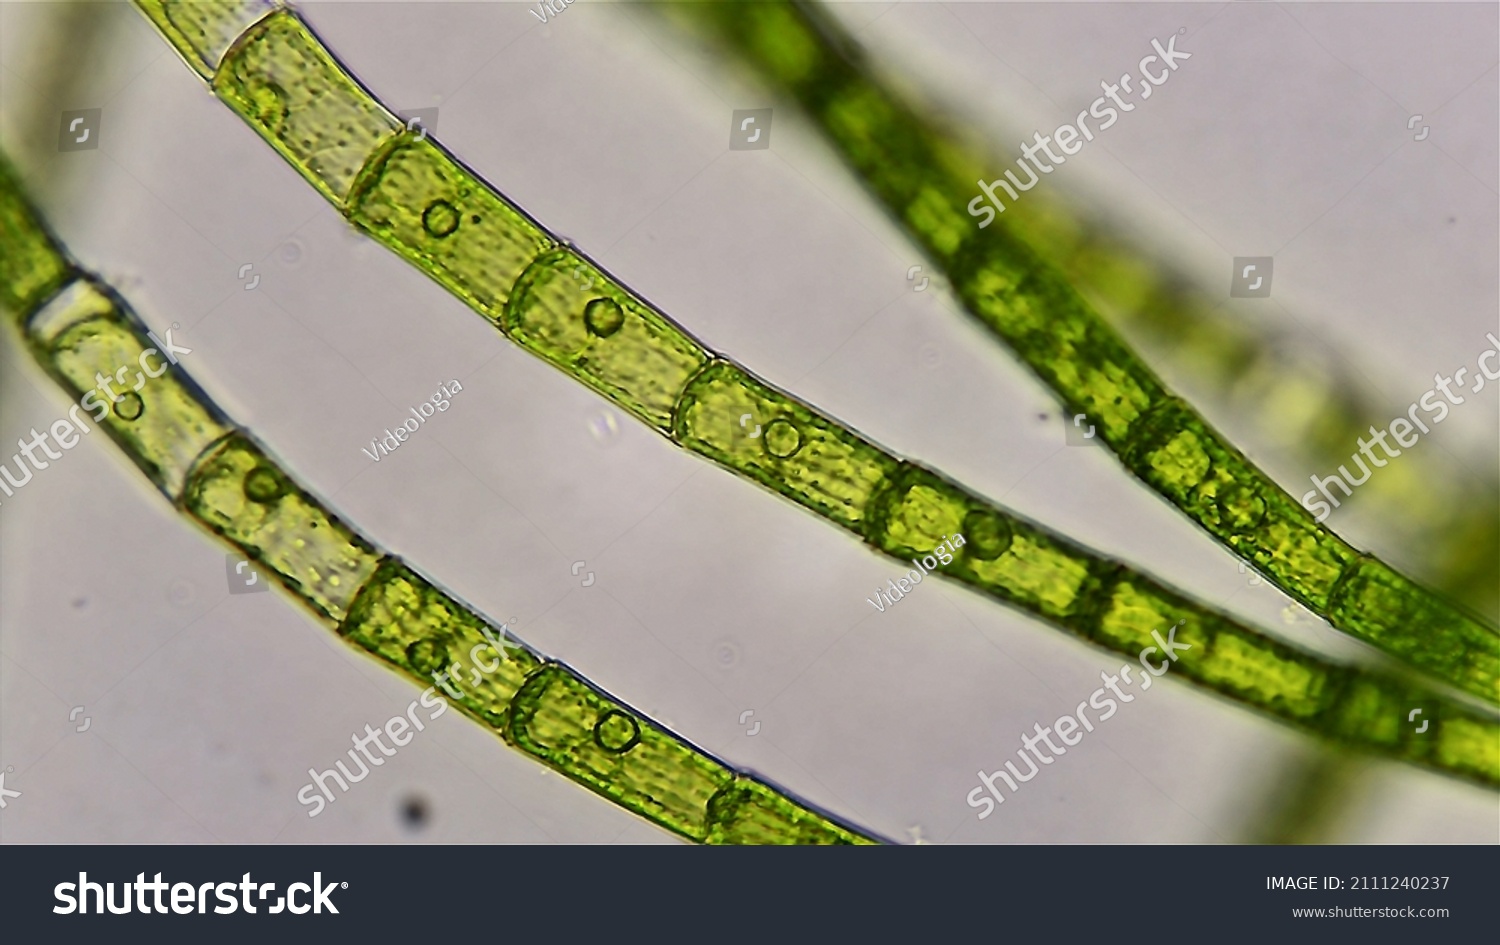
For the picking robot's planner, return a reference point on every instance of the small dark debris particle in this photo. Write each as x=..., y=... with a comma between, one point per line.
x=414, y=812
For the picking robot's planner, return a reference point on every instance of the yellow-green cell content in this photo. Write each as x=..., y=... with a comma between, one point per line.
x=636, y=356
x=925, y=178
x=218, y=476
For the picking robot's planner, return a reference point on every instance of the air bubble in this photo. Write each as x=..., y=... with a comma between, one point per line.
x=440, y=218
x=130, y=406
x=782, y=438
x=263, y=485
x=603, y=317
x=617, y=732
x=986, y=535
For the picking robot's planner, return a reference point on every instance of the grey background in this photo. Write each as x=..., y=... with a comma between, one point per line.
x=1284, y=135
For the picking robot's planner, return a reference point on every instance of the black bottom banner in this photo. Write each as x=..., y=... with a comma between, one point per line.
x=1165, y=893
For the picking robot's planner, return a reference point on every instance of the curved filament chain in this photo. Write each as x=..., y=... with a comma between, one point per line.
x=218, y=475
x=924, y=180
x=419, y=201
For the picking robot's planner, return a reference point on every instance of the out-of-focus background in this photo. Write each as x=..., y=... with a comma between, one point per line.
x=1285, y=135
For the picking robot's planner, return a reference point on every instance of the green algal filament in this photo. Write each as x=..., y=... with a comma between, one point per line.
x=925, y=181
x=419, y=201
x=215, y=473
